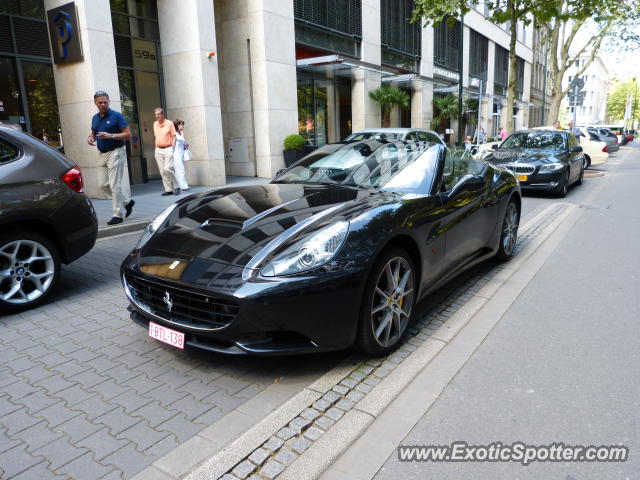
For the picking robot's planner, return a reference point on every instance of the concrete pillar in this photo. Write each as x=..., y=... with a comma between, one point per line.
x=77, y=82
x=487, y=111
x=332, y=115
x=273, y=78
x=192, y=92
x=234, y=70
x=421, y=104
x=466, y=39
x=526, y=95
x=422, y=95
x=364, y=111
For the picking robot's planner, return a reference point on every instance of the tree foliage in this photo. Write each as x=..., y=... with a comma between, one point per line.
x=617, y=100
x=444, y=108
x=387, y=97
x=602, y=19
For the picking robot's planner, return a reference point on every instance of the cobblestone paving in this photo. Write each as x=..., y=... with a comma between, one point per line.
x=285, y=446
x=84, y=393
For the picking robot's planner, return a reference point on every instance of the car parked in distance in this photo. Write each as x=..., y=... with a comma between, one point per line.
x=335, y=252
x=594, y=152
x=45, y=219
x=549, y=160
x=391, y=134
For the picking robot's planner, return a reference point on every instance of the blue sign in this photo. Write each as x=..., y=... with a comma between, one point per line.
x=64, y=34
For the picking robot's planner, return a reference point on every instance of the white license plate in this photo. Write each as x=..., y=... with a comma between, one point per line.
x=166, y=335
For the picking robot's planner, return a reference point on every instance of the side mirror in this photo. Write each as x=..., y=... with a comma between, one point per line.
x=494, y=146
x=469, y=183
x=280, y=172
x=577, y=149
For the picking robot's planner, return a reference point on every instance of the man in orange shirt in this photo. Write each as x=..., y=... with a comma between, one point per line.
x=165, y=134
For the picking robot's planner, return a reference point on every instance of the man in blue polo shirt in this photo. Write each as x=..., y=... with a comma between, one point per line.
x=109, y=130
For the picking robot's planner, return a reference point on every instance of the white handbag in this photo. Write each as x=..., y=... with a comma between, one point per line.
x=186, y=155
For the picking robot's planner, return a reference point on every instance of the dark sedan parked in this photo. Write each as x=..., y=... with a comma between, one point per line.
x=333, y=252
x=548, y=160
x=45, y=219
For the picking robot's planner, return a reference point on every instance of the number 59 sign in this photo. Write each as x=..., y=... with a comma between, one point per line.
x=144, y=55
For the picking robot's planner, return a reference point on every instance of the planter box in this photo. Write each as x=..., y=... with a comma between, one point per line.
x=292, y=156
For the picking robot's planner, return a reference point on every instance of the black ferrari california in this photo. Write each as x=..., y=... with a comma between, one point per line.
x=334, y=252
x=549, y=160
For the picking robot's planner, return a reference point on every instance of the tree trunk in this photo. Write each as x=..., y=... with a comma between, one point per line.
x=513, y=66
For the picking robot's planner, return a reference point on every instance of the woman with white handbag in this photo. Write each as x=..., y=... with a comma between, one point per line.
x=181, y=154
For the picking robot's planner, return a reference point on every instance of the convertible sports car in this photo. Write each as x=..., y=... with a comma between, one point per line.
x=334, y=252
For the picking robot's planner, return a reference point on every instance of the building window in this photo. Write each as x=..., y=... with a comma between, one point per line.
x=501, y=72
x=446, y=44
x=400, y=37
x=478, y=55
x=334, y=25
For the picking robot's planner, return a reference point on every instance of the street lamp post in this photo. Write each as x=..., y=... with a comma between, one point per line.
x=460, y=65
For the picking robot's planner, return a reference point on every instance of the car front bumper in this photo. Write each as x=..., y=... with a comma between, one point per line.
x=297, y=314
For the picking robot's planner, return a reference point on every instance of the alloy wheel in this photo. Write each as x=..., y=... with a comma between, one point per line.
x=510, y=229
x=392, y=301
x=27, y=270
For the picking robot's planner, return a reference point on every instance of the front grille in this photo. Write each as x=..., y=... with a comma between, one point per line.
x=187, y=308
x=520, y=168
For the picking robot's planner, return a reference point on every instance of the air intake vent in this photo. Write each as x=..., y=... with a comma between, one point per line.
x=6, y=44
x=123, y=51
x=32, y=37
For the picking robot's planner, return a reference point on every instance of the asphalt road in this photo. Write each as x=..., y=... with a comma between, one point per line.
x=561, y=364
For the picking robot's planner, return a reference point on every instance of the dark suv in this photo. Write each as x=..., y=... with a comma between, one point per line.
x=45, y=219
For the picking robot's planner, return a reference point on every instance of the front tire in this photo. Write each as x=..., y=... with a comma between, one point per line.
x=29, y=270
x=509, y=232
x=387, y=303
x=563, y=187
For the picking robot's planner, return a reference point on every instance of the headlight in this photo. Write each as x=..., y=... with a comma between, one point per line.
x=551, y=167
x=155, y=225
x=308, y=253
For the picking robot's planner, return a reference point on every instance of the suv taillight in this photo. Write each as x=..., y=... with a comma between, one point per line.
x=73, y=179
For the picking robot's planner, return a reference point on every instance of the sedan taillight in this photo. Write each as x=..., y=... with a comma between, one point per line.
x=604, y=149
x=73, y=179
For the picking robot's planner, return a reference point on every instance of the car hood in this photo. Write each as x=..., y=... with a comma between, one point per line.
x=537, y=157
x=231, y=225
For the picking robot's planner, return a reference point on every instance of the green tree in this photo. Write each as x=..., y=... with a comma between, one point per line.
x=604, y=19
x=444, y=108
x=387, y=97
x=617, y=100
x=500, y=11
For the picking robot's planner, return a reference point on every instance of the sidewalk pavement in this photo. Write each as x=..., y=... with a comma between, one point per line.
x=150, y=202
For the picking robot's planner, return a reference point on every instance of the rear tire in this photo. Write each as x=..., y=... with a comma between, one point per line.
x=587, y=161
x=29, y=270
x=387, y=303
x=509, y=232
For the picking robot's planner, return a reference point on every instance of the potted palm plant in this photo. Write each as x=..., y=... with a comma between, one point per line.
x=387, y=96
x=443, y=109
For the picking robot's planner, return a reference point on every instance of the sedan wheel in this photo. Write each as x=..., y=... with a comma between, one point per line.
x=563, y=188
x=509, y=234
x=388, y=303
x=29, y=267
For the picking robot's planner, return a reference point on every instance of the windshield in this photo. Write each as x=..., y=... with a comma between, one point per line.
x=543, y=141
x=403, y=166
x=358, y=137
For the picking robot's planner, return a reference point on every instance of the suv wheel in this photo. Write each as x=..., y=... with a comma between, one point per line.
x=29, y=269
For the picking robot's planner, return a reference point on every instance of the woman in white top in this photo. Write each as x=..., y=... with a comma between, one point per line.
x=180, y=155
